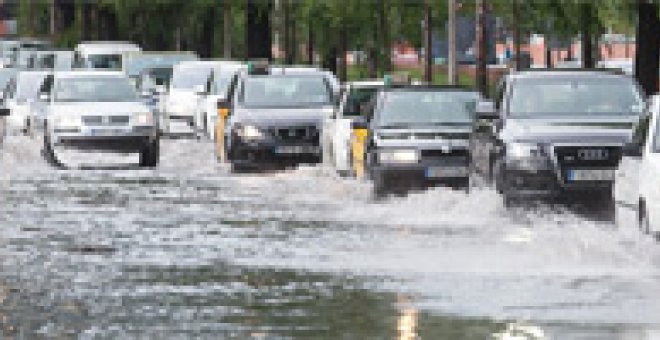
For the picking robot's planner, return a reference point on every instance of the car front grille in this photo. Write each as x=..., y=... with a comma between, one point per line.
x=308, y=133
x=449, y=156
x=587, y=157
x=106, y=120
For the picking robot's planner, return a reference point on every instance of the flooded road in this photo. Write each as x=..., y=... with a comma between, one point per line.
x=190, y=250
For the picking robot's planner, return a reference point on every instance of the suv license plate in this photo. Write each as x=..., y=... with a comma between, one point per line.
x=590, y=175
x=446, y=171
x=297, y=149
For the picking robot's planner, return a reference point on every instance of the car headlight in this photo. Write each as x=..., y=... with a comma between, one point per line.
x=524, y=150
x=398, y=156
x=67, y=121
x=143, y=118
x=249, y=132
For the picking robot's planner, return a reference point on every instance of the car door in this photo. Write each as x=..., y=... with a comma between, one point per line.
x=39, y=108
x=649, y=167
x=341, y=137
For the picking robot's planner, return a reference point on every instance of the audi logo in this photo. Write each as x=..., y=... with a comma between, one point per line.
x=593, y=154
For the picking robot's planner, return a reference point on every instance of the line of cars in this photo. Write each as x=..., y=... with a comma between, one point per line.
x=550, y=134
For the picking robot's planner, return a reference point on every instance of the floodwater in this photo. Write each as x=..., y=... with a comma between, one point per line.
x=191, y=250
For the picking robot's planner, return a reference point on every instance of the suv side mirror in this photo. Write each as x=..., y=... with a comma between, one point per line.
x=44, y=97
x=632, y=149
x=485, y=109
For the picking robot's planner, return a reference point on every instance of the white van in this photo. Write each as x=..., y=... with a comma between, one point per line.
x=105, y=55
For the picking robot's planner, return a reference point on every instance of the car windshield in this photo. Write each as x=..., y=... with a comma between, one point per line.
x=105, y=61
x=94, y=89
x=575, y=97
x=423, y=107
x=222, y=81
x=189, y=77
x=28, y=86
x=358, y=102
x=286, y=90
x=5, y=76
x=159, y=76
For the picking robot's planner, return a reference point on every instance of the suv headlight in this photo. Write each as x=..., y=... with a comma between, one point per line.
x=67, y=121
x=143, y=118
x=398, y=156
x=249, y=132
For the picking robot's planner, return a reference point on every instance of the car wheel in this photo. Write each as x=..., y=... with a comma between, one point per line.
x=150, y=155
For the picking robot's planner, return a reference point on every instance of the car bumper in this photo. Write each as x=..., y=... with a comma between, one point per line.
x=420, y=175
x=260, y=153
x=133, y=141
x=546, y=184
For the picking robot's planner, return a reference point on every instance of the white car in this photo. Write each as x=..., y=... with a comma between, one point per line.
x=3, y=124
x=103, y=55
x=338, y=131
x=180, y=103
x=96, y=111
x=19, y=95
x=638, y=184
x=217, y=88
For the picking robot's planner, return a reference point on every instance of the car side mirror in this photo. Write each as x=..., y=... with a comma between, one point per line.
x=632, y=149
x=44, y=97
x=359, y=123
x=485, y=109
x=4, y=112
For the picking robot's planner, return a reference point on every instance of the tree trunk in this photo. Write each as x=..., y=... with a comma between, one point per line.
x=207, y=36
x=53, y=18
x=343, y=49
x=310, y=41
x=647, y=61
x=258, y=33
x=481, y=49
x=385, y=37
x=330, y=60
x=516, y=35
x=226, y=29
x=294, y=37
x=428, y=42
x=586, y=9
x=286, y=7
x=452, y=61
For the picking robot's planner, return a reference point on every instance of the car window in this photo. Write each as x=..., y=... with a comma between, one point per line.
x=105, y=61
x=286, y=90
x=189, y=77
x=94, y=89
x=426, y=107
x=358, y=102
x=574, y=96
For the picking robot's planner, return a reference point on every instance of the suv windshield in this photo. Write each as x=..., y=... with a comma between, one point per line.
x=358, y=101
x=286, y=90
x=105, y=61
x=189, y=77
x=94, y=89
x=574, y=96
x=418, y=107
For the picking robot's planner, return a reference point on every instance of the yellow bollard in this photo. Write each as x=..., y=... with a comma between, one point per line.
x=358, y=145
x=220, y=151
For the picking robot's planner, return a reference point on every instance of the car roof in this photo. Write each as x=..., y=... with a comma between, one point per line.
x=365, y=83
x=100, y=46
x=87, y=73
x=424, y=87
x=207, y=63
x=567, y=72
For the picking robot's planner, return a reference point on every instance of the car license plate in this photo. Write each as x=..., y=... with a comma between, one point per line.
x=106, y=132
x=578, y=175
x=296, y=150
x=446, y=171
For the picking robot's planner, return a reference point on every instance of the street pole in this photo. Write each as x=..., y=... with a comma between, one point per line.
x=481, y=50
x=452, y=61
x=428, y=58
x=516, y=36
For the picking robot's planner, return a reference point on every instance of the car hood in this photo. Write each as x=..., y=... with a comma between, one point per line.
x=282, y=116
x=181, y=98
x=98, y=108
x=616, y=130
